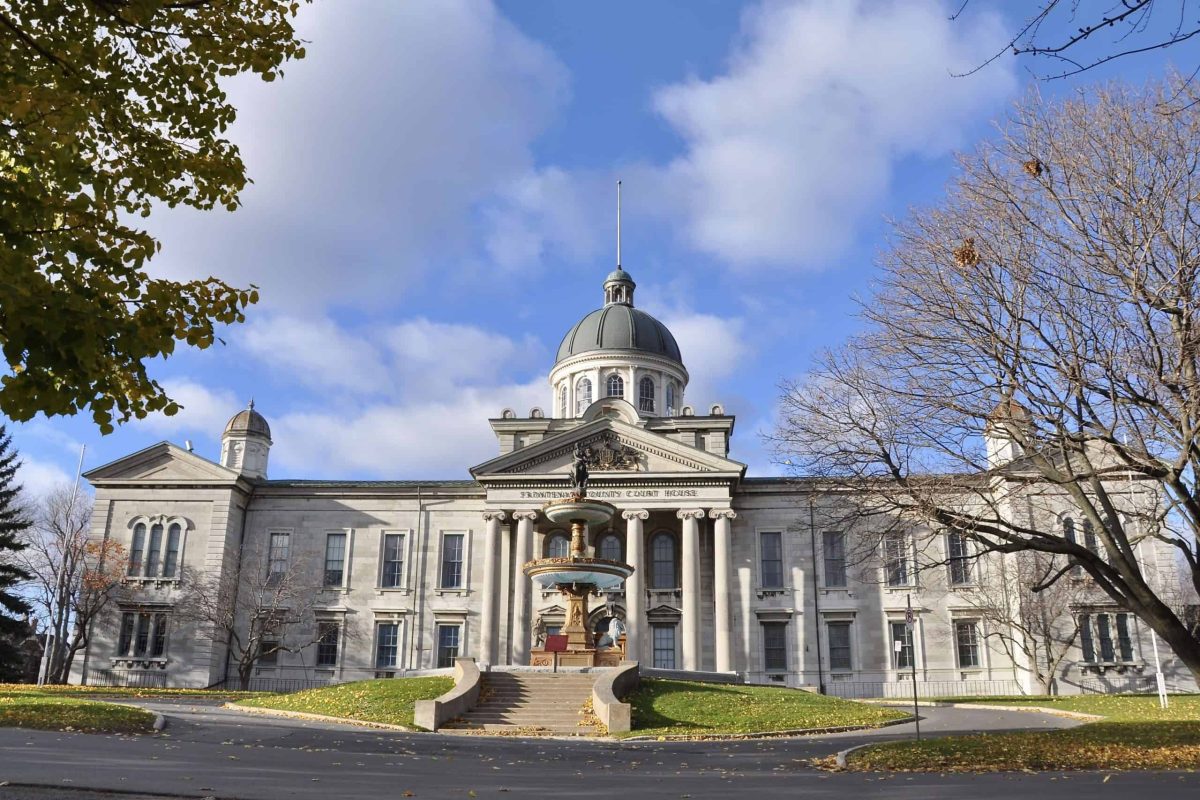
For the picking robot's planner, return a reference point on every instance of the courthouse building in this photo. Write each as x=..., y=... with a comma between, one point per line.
x=733, y=573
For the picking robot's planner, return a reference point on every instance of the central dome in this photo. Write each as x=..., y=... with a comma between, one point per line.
x=619, y=326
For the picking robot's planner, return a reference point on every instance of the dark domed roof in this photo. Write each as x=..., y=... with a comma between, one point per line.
x=619, y=327
x=248, y=421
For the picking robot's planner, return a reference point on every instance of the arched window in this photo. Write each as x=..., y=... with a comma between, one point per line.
x=662, y=551
x=610, y=547
x=646, y=394
x=583, y=395
x=616, y=386
x=562, y=401
x=558, y=546
x=671, y=399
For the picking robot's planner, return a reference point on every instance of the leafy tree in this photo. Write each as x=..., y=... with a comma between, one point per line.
x=107, y=108
x=12, y=524
x=1052, y=300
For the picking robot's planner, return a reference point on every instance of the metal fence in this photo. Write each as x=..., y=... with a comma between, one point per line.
x=859, y=690
x=127, y=678
x=278, y=685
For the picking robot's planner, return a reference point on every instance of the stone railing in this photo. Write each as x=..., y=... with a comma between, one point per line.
x=432, y=714
x=610, y=686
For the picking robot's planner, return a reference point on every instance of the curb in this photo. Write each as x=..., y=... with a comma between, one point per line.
x=1057, y=712
x=793, y=732
x=275, y=712
x=840, y=758
x=159, y=723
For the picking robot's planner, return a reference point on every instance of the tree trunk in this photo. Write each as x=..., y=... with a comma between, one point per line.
x=244, y=677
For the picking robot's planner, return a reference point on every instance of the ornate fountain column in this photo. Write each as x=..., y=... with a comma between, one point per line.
x=635, y=594
x=691, y=585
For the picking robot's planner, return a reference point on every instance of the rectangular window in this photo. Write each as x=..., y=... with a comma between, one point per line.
x=960, y=559
x=335, y=558
x=895, y=559
x=448, y=639
x=775, y=646
x=393, y=560
x=966, y=635
x=839, y=645
x=277, y=557
x=664, y=646
x=1104, y=635
x=834, y=547
x=155, y=551
x=902, y=658
x=125, y=642
x=171, y=562
x=158, y=644
x=141, y=642
x=1124, y=640
x=1086, y=642
x=327, y=643
x=135, y=550
x=452, y=560
x=771, y=552
x=268, y=652
x=387, y=644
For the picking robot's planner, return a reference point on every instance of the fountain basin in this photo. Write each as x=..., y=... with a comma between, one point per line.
x=601, y=573
x=579, y=509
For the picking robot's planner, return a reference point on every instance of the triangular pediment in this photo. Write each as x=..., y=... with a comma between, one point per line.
x=161, y=463
x=619, y=450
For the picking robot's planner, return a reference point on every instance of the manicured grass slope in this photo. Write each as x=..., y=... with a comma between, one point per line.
x=673, y=708
x=120, y=691
x=27, y=707
x=390, y=700
x=1135, y=734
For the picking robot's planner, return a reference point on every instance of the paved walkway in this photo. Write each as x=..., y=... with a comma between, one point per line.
x=211, y=751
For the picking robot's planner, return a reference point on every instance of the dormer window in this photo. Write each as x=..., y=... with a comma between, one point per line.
x=616, y=386
x=562, y=401
x=671, y=399
x=583, y=395
x=646, y=395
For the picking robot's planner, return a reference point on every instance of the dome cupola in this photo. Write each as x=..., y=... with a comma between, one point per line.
x=246, y=443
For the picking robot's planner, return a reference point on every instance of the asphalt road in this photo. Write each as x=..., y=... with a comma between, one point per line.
x=212, y=752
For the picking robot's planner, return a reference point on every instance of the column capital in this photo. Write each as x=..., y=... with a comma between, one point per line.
x=690, y=513
x=635, y=513
x=497, y=515
x=726, y=513
x=525, y=513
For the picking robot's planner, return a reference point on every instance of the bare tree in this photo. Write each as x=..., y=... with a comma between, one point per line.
x=259, y=613
x=74, y=579
x=1075, y=37
x=1051, y=300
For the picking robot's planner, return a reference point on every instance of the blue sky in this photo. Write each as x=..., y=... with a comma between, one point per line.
x=433, y=207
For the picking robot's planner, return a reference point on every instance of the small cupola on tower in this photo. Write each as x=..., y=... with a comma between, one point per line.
x=1008, y=422
x=618, y=288
x=246, y=443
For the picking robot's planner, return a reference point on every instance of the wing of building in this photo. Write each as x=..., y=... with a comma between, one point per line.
x=732, y=574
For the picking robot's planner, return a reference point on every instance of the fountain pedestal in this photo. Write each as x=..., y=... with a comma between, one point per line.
x=577, y=577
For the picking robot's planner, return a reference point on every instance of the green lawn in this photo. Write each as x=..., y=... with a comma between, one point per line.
x=122, y=691
x=1134, y=734
x=390, y=700
x=683, y=708
x=28, y=707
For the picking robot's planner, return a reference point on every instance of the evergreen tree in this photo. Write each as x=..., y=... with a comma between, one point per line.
x=12, y=523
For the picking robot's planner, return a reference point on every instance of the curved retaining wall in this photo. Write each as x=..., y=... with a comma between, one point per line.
x=432, y=714
x=610, y=686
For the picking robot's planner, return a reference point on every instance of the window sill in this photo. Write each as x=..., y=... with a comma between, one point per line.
x=771, y=591
x=904, y=588
x=158, y=582
x=452, y=591
x=382, y=590
x=1101, y=667
x=130, y=662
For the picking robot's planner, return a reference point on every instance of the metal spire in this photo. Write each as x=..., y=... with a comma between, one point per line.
x=618, y=225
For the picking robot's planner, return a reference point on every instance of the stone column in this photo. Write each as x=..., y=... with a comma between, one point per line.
x=635, y=584
x=521, y=595
x=690, y=563
x=722, y=623
x=491, y=569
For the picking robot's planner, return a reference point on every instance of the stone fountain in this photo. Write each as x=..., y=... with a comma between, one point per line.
x=577, y=575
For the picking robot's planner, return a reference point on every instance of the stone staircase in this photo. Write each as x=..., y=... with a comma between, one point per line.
x=532, y=704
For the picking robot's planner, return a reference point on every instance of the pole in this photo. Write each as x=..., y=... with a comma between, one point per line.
x=1159, y=683
x=912, y=644
x=812, y=540
x=59, y=613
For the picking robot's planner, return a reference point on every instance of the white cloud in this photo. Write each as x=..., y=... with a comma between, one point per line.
x=373, y=155
x=38, y=478
x=796, y=142
x=205, y=411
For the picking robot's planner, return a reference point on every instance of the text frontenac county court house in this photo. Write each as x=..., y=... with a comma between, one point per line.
x=732, y=573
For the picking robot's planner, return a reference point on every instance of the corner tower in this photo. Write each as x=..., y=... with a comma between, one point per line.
x=246, y=443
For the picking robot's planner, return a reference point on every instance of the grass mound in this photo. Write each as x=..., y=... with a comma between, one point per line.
x=675, y=708
x=120, y=691
x=388, y=700
x=1134, y=734
x=29, y=707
